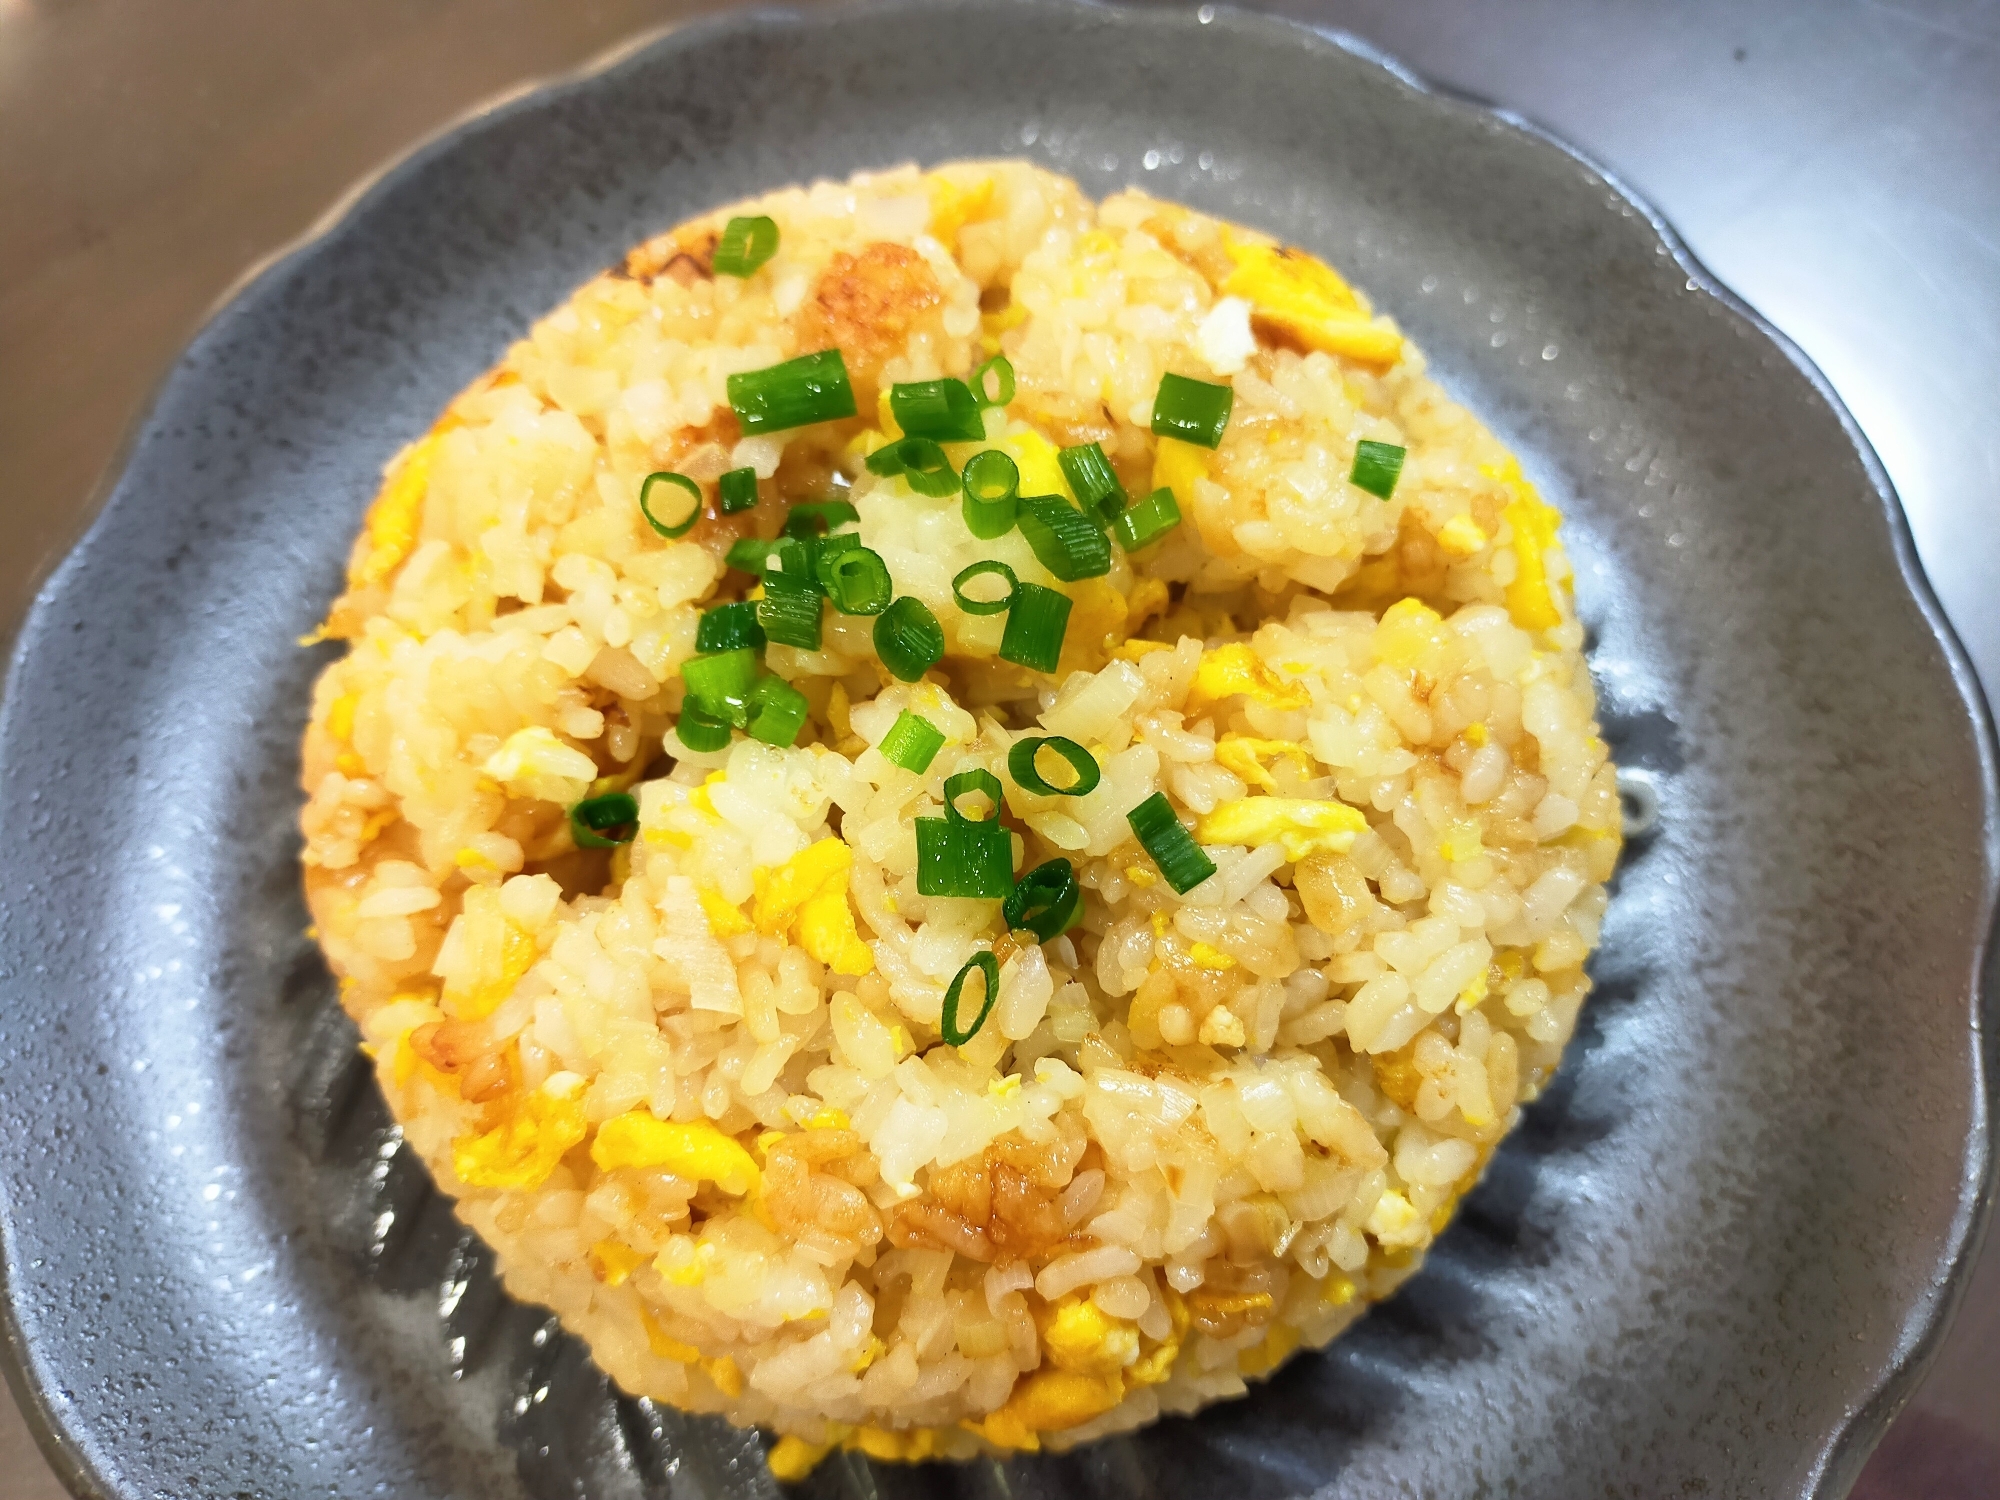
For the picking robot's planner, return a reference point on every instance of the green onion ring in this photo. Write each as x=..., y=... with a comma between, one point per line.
x=1046, y=901
x=596, y=822
x=990, y=567
x=1021, y=765
x=681, y=481
x=987, y=965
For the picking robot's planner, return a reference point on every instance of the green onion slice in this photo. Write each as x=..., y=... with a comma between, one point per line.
x=745, y=245
x=821, y=551
x=720, y=684
x=1377, y=467
x=1092, y=479
x=992, y=484
x=738, y=489
x=727, y=627
x=701, y=730
x=817, y=517
x=777, y=711
x=1065, y=540
x=943, y=410
x=908, y=638
x=1192, y=410
x=993, y=568
x=750, y=553
x=1021, y=766
x=1036, y=622
x=964, y=784
x=1144, y=523
x=790, y=610
x=606, y=822
x=1046, y=901
x=961, y=856
x=655, y=492
x=797, y=393
x=922, y=463
x=912, y=743
x=1172, y=847
x=993, y=382
x=988, y=966
x=857, y=580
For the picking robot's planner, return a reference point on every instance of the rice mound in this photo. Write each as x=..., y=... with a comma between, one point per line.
x=693, y=1090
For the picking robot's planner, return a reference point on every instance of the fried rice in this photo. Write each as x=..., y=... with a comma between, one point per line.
x=693, y=1087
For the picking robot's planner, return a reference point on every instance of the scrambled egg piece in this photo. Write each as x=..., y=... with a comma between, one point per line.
x=613, y=1261
x=1530, y=600
x=534, y=763
x=725, y=917
x=792, y=1458
x=1084, y=1339
x=1308, y=300
x=954, y=206
x=1412, y=636
x=1262, y=1359
x=1176, y=466
x=1035, y=456
x=1048, y=1400
x=522, y=1150
x=1461, y=537
x=497, y=952
x=1395, y=1222
x=1229, y=670
x=1246, y=756
x=396, y=516
x=692, y=1149
x=1304, y=826
x=807, y=895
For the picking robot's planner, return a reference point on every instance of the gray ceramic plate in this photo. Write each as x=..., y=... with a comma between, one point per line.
x=1708, y=1262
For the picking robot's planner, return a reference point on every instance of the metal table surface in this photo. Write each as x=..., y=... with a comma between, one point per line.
x=1834, y=162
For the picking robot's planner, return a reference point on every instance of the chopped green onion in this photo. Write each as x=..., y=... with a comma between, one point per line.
x=1377, y=467
x=908, y=638
x=701, y=730
x=750, y=553
x=1021, y=766
x=992, y=482
x=816, y=517
x=721, y=684
x=649, y=497
x=1036, y=622
x=738, y=489
x=789, y=610
x=797, y=393
x=777, y=712
x=790, y=557
x=1146, y=522
x=912, y=743
x=745, y=245
x=993, y=382
x=987, y=965
x=1046, y=901
x=728, y=626
x=964, y=784
x=606, y=822
x=1065, y=540
x=857, y=580
x=1172, y=847
x=961, y=856
x=921, y=462
x=1092, y=479
x=940, y=409
x=991, y=567
x=1192, y=410
x=821, y=552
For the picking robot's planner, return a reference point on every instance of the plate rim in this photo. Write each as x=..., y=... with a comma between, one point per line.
x=1925, y=1325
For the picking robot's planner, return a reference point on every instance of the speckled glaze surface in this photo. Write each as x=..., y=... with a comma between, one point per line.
x=1705, y=1263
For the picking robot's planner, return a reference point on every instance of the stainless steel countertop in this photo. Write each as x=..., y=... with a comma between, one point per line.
x=1833, y=162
